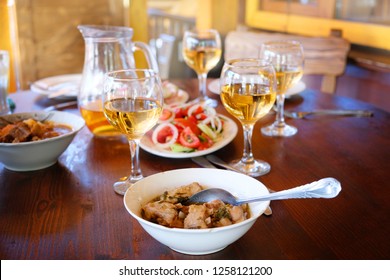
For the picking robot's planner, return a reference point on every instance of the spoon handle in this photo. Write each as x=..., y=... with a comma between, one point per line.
x=324, y=188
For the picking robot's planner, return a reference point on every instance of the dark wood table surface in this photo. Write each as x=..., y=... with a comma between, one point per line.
x=69, y=210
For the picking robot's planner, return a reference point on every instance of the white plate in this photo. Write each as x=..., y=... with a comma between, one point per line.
x=299, y=87
x=214, y=86
x=180, y=98
x=59, y=87
x=229, y=132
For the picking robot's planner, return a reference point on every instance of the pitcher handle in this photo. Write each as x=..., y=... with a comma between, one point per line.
x=150, y=58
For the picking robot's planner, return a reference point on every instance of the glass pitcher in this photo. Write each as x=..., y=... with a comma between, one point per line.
x=107, y=48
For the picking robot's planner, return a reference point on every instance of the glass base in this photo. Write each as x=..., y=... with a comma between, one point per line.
x=124, y=183
x=254, y=169
x=281, y=131
x=207, y=100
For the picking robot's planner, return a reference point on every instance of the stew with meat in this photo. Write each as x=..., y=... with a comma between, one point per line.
x=168, y=210
x=31, y=130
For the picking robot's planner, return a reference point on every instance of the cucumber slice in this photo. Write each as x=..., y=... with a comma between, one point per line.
x=177, y=148
x=208, y=131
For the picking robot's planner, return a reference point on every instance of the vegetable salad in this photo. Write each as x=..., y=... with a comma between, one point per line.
x=188, y=128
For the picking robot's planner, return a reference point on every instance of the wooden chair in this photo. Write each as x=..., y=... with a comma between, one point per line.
x=163, y=47
x=163, y=25
x=326, y=56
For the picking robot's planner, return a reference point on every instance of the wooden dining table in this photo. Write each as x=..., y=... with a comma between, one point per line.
x=70, y=211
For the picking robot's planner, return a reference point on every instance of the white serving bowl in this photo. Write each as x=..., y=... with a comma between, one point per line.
x=196, y=241
x=28, y=156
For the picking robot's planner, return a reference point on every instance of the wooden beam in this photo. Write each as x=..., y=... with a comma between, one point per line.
x=138, y=20
x=9, y=40
x=221, y=15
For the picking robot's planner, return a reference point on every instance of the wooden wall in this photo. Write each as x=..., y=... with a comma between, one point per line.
x=50, y=43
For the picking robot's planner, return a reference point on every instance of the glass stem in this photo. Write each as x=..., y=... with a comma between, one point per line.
x=202, y=78
x=280, y=110
x=247, y=156
x=136, y=173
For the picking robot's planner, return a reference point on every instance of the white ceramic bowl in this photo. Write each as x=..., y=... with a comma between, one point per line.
x=196, y=241
x=28, y=156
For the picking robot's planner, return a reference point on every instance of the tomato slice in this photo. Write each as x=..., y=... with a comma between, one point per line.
x=195, y=110
x=182, y=123
x=181, y=112
x=166, y=115
x=201, y=116
x=165, y=135
x=198, y=110
x=188, y=138
x=205, y=142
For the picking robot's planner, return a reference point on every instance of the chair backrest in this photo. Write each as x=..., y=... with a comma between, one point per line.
x=163, y=47
x=326, y=56
x=162, y=25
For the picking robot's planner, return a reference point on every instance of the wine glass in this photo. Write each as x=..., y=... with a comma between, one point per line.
x=202, y=52
x=248, y=92
x=132, y=103
x=287, y=58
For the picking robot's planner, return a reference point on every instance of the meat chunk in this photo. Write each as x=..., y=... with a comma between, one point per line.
x=13, y=133
x=36, y=128
x=237, y=213
x=5, y=133
x=223, y=222
x=214, y=205
x=179, y=194
x=164, y=213
x=196, y=218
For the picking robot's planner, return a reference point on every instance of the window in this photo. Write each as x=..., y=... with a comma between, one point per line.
x=362, y=22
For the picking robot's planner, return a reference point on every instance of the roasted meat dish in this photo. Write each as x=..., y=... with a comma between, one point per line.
x=168, y=210
x=30, y=130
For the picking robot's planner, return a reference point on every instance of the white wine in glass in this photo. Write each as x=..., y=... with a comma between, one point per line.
x=287, y=58
x=132, y=103
x=202, y=52
x=248, y=92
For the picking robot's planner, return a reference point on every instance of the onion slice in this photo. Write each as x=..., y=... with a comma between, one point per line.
x=215, y=123
x=170, y=118
x=210, y=111
x=193, y=108
x=172, y=140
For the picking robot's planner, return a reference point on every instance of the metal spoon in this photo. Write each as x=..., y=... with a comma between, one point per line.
x=205, y=163
x=324, y=188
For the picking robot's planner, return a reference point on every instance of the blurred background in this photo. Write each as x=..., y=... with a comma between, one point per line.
x=44, y=41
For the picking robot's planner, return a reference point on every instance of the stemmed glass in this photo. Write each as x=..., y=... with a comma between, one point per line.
x=248, y=92
x=132, y=103
x=202, y=52
x=287, y=58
